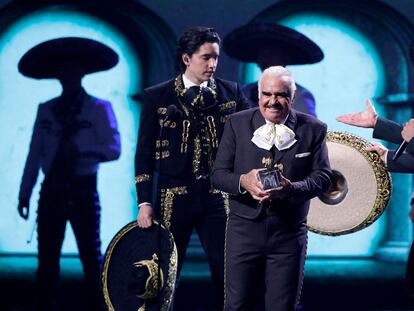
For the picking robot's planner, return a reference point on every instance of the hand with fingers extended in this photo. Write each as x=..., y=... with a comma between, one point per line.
x=279, y=192
x=366, y=118
x=380, y=149
x=23, y=208
x=408, y=130
x=145, y=215
x=251, y=184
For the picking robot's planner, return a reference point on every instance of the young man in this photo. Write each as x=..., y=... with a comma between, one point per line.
x=266, y=233
x=181, y=125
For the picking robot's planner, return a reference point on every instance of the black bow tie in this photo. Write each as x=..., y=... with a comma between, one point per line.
x=197, y=97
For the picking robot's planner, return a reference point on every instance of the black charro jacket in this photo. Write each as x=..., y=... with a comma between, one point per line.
x=176, y=148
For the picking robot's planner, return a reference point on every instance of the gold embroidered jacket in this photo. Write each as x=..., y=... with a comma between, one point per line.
x=179, y=146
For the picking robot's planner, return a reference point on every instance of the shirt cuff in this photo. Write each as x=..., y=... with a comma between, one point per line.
x=385, y=158
x=240, y=188
x=144, y=203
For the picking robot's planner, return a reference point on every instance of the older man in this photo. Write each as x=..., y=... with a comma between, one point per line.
x=266, y=233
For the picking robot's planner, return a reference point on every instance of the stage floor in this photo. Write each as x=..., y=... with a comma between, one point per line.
x=330, y=284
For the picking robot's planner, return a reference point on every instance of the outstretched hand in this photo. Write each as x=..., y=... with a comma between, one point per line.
x=366, y=118
x=23, y=208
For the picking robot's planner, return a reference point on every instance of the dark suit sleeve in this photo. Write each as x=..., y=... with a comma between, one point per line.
x=319, y=179
x=242, y=102
x=145, y=151
x=223, y=176
x=391, y=131
x=388, y=130
x=404, y=164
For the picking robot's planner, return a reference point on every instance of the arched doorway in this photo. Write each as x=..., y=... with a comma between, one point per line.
x=138, y=36
x=366, y=55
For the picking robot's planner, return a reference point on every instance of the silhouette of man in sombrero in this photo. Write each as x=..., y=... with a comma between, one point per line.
x=72, y=134
x=273, y=45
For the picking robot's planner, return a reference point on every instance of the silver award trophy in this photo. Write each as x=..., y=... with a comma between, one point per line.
x=270, y=177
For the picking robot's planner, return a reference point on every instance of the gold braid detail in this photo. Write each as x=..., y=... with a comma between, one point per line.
x=213, y=132
x=186, y=132
x=167, y=200
x=142, y=178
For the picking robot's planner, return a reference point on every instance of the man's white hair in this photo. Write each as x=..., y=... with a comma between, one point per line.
x=278, y=72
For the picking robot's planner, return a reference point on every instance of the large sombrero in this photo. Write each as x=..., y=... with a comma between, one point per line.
x=360, y=188
x=131, y=279
x=45, y=59
x=243, y=43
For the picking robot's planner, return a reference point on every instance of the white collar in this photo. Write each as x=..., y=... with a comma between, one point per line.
x=188, y=83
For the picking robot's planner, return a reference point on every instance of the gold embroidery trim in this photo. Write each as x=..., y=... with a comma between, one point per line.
x=172, y=270
x=162, y=110
x=227, y=105
x=267, y=162
x=186, y=132
x=152, y=281
x=165, y=154
x=165, y=143
x=167, y=200
x=223, y=119
x=213, y=132
x=142, y=178
x=167, y=123
x=197, y=154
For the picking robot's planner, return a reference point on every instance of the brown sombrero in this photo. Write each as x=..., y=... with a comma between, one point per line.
x=45, y=59
x=243, y=43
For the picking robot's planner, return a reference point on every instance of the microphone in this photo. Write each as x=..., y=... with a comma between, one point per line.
x=171, y=112
x=400, y=150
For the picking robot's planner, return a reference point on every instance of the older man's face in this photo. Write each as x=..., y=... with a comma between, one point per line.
x=275, y=98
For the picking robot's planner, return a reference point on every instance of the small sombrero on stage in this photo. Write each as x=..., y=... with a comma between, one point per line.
x=243, y=43
x=130, y=273
x=45, y=59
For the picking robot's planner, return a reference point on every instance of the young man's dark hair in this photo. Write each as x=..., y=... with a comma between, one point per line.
x=190, y=42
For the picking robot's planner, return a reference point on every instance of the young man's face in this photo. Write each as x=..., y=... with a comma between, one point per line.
x=275, y=99
x=203, y=63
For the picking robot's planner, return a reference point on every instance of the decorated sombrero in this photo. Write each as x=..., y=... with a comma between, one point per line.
x=45, y=59
x=243, y=43
x=137, y=274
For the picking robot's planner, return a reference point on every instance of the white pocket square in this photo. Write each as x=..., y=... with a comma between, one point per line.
x=302, y=155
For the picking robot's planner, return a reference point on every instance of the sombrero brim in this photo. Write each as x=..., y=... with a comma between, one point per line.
x=130, y=245
x=244, y=42
x=45, y=60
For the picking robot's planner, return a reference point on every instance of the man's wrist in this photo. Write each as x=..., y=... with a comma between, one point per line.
x=241, y=189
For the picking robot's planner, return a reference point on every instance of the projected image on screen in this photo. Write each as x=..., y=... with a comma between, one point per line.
x=20, y=97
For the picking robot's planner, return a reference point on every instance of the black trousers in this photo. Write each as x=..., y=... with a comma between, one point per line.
x=75, y=201
x=264, y=250
x=196, y=206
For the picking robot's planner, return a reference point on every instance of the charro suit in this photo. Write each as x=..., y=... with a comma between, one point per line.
x=269, y=237
x=189, y=142
x=391, y=131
